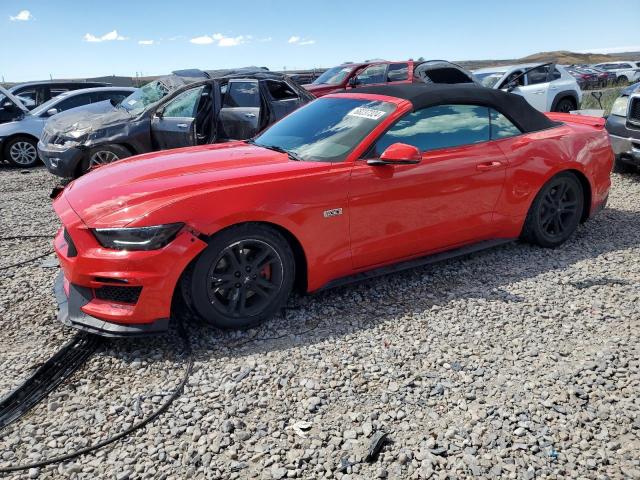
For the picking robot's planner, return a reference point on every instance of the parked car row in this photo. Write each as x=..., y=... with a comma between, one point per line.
x=604, y=75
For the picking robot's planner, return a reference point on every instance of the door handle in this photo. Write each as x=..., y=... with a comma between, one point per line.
x=250, y=115
x=483, y=167
x=182, y=125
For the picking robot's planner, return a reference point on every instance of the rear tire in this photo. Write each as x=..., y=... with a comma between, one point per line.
x=622, y=80
x=103, y=155
x=555, y=212
x=22, y=152
x=565, y=105
x=242, y=278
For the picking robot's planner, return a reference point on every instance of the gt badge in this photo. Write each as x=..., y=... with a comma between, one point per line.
x=332, y=213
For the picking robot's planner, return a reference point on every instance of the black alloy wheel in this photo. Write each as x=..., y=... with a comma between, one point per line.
x=555, y=212
x=242, y=278
x=565, y=105
x=245, y=278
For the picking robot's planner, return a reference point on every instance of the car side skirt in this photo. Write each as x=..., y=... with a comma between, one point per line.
x=416, y=262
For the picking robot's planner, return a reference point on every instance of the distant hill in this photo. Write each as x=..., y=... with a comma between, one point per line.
x=561, y=57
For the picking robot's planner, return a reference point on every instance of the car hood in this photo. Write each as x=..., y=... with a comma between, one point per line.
x=88, y=117
x=321, y=88
x=631, y=89
x=125, y=192
x=13, y=99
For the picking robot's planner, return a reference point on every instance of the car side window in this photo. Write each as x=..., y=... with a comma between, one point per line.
x=114, y=96
x=72, y=102
x=438, y=127
x=501, y=126
x=624, y=65
x=515, y=75
x=280, y=90
x=538, y=75
x=398, y=72
x=556, y=74
x=372, y=74
x=242, y=94
x=184, y=105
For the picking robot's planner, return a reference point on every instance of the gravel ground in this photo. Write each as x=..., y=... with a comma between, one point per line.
x=517, y=362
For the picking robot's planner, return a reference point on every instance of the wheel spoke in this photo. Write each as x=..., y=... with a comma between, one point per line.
x=262, y=259
x=264, y=283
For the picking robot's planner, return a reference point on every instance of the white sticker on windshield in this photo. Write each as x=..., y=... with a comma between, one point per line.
x=364, y=112
x=132, y=101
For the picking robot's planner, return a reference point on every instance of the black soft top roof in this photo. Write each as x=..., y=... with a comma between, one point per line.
x=514, y=107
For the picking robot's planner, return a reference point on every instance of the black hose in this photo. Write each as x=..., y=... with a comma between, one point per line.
x=176, y=393
x=24, y=262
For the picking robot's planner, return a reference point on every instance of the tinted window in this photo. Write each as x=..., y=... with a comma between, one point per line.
x=372, y=74
x=327, y=129
x=242, y=94
x=513, y=76
x=438, y=127
x=27, y=97
x=624, y=65
x=556, y=74
x=501, y=126
x=184, y=105
x=398, y=72
x=538, y=75
x=280, y=90
x=115, y=96
x=72, y=102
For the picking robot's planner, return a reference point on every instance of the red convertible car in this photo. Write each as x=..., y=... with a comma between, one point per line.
x=349, y=186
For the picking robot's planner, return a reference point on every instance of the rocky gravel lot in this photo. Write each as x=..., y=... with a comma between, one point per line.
x=517, y=362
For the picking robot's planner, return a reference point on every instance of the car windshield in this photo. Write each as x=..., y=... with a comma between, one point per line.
x=333, y=76
x=326, y=130
x=489, y=79
x=139, y=100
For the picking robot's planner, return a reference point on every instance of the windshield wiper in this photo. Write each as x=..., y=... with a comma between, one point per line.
x=278, y=149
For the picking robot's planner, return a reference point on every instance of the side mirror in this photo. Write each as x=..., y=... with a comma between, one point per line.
x=51, y=112
x=353, y=82
x=160, y=113
x=398, y=154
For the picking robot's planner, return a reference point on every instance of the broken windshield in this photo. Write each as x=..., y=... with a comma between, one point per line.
x=139, y=100
x=326, y=130
x=333, y=76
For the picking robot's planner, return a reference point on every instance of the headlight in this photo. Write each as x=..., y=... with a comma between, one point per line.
x=620, y=106
x=71, y=139
x=137, y=238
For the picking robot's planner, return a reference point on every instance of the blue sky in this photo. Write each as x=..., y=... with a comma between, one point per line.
x=62, y=38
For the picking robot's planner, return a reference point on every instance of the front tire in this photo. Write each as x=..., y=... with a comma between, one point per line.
x=555, y=212
x=565, y=105
x=22, y=152
x=103, y=155
x=242, y=278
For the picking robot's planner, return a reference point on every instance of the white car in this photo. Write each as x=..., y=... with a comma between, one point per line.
x=627, y=72
x=547, y=87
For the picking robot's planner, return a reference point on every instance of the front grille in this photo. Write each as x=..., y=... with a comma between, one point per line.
x=634, y=111
x=72, y=251
x=113, y=293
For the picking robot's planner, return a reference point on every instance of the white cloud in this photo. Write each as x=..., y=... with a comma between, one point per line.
x=22, y=16
x=145, y=42
x=176, y=37
x=632, y=48
x=265, y=39
x=295, y=40
x=203, y=40
x=221, y=40
x=107, y=37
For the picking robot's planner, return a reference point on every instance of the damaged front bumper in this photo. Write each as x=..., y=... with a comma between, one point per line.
x=59, y=160
x=71, y=298
x=116, y=293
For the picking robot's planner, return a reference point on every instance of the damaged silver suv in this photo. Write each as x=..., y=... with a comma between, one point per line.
x=171, y=112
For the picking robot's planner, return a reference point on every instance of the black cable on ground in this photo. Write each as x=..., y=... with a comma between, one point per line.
x=20, y=237
x=24, y=262
x=176, y=393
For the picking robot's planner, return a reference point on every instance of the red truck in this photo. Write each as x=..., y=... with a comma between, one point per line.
x=353, y=75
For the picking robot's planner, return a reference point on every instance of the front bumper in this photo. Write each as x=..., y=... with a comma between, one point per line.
x=116, y=292
x=60, y=161
x=71, y=298
x=625, y=141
